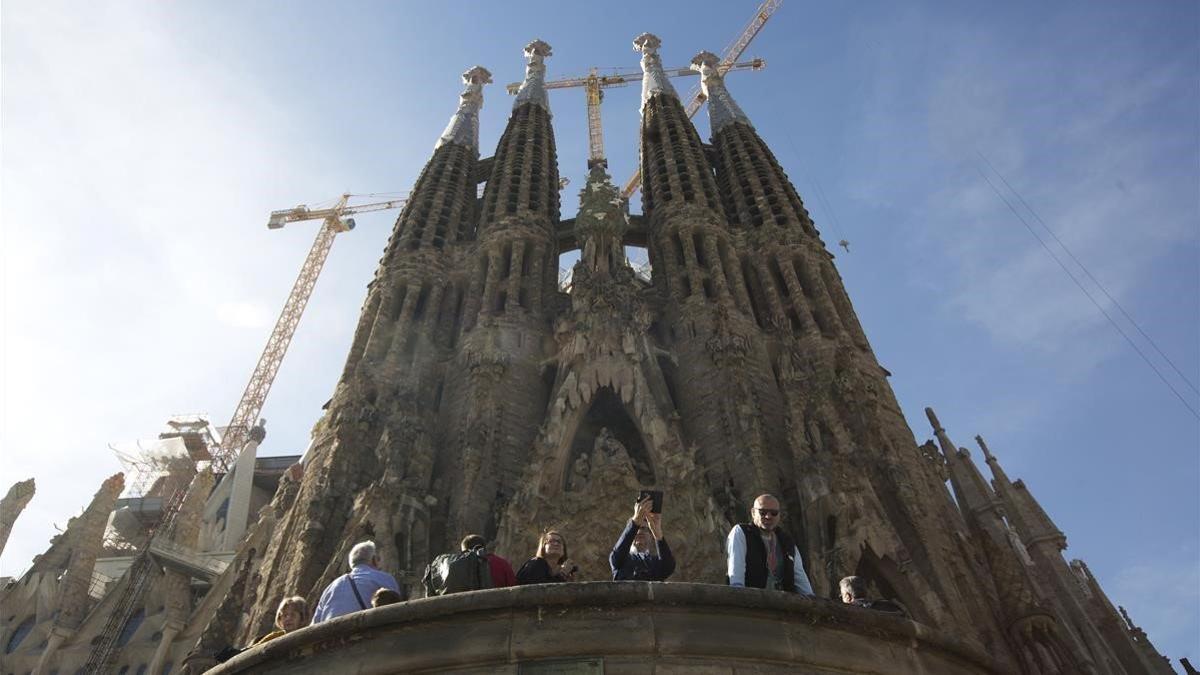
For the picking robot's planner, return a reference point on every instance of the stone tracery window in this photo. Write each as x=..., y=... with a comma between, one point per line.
x=18, y=635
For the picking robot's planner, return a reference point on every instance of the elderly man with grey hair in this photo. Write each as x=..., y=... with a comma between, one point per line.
x=854, y=592
x=352, y=591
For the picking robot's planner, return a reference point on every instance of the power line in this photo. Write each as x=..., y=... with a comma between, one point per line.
x=1089, y=274
x=1088, y=294
x=837, y=222
x=820, y=193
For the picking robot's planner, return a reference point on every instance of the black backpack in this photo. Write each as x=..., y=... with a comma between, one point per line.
x=457, y=572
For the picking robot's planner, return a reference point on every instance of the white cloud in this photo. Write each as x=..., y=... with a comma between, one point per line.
x=131, y=162
x=243, y=314
x=1094, y=176
x=1162, y=596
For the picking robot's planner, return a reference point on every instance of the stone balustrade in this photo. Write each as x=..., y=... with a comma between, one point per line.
x=624, y=627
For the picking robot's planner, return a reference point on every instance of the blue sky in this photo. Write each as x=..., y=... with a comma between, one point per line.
x=145, y=143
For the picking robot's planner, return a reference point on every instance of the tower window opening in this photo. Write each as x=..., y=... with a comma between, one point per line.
x=777, y=276
x=708, y=288
x=397, y=303
x=484, y=264
x=698, y=243
x=794, y=319
x=679, y=254
x=799, y=269
x=526, y=263
x=458, y=315
x=506, y=260
x=668, y=370
x=753, y=290
x=444, y=303
x=501, y=299
x=422, y=300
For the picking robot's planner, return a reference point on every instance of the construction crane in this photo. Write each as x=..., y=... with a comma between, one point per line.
x=594, y=84
x=732, y=53
x=335, y=221
x=255, y=395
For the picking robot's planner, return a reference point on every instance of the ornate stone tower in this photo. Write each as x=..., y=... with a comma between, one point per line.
x=480, y=396
x=728, y=403
x=370, y=469
x=495, y=392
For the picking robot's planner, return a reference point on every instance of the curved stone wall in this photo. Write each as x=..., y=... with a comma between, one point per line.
x=606, y=627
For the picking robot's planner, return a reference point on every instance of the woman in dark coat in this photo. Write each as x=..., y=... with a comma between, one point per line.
x=550, y=564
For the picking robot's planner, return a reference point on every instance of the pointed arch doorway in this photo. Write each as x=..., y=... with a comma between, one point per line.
x=606, y=427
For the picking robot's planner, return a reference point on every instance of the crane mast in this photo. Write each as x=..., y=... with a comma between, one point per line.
x=247, y=411
x=245, y=415
x=595, y=129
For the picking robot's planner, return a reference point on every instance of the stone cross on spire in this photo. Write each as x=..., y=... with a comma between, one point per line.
x=533, y=87
x=654, y=80
x=463, y=128
x=722, y=109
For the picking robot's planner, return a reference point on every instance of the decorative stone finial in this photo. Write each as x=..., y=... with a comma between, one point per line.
x=114, y=484
x=463, y=128
x=722, y=109
x=533, y=88
x=983, y=446
x=654, y=80
x=933, y=420
x=1125, y=615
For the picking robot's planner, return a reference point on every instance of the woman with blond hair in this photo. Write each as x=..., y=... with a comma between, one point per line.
x=290, y=616
x=550, y=564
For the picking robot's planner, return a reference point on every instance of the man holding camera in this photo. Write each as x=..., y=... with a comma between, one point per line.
x=761, y=555
x=642, y=554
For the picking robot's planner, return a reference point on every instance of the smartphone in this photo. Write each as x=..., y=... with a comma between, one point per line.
x=656, y=497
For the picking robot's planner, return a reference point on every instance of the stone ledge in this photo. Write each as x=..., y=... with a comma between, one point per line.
x=628, y=626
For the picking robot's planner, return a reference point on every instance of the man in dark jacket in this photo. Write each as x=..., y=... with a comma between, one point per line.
x=643, y=533
x=761, y=555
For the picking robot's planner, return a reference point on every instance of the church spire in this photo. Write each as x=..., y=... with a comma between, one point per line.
x=533, y=87
x=85, y=537
x=973, y=493
x=1026, y=514
x=722, y=109
x=463, y=128
x=654, y=80
x=12, y=505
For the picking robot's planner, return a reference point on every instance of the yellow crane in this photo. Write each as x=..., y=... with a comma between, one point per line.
x=334, y=221
x=594, y=84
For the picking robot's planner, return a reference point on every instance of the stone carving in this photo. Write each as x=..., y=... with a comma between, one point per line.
x=722, y=109
x=463, y=128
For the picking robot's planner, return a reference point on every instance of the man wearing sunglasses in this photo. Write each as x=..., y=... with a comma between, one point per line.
x=761, y=555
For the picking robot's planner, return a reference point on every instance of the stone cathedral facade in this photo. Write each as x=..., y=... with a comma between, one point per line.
x=480, y=396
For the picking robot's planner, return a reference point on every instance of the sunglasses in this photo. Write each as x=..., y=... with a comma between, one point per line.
x=767, y=512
